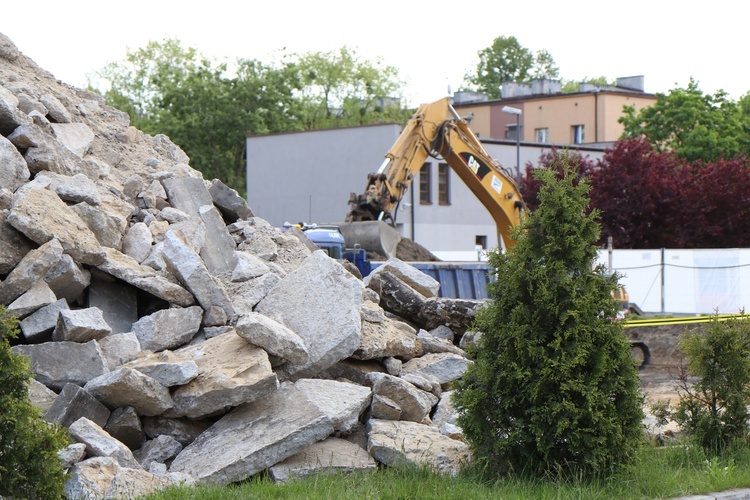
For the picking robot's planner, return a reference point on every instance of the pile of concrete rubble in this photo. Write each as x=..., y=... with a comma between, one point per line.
x=181, y=339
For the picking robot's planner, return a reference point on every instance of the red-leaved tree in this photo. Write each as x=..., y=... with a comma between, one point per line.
x=652, y=199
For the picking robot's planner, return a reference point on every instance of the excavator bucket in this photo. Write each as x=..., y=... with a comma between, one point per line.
x=373, y=236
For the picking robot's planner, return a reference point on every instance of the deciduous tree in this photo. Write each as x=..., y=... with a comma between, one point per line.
x=506, y=60
x=695, y=125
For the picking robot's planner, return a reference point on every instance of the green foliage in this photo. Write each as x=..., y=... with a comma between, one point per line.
x=575, y=85
x=695, y=125
x=29, y=466
x=506, y=60
x=341, y=89
x=553, y=388
x=714, y=408
x=203, y=107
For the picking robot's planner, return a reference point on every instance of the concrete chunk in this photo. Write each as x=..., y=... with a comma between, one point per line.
x=128, y=387
x=184, y=263
x=42, y=216
x=74, y=402
x=80, y=325
x=33, y=267
x=297, y=301
x=13, y=169
x=168, y=328
x=33, y=299
x=254, y=437
x=192, y=197
x=38, y=326
x=100, y=444
x=56, y=363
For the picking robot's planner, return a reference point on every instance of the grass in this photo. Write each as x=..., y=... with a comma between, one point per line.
x=657, y=472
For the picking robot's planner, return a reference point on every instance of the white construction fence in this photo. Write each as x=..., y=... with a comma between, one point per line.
x=684, y=281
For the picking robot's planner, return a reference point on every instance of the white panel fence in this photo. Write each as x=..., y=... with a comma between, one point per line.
x=684, y=281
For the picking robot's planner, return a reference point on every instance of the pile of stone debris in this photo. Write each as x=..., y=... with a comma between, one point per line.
x=180, y=338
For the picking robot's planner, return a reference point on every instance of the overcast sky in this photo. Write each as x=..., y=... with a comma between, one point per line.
x=432, y=43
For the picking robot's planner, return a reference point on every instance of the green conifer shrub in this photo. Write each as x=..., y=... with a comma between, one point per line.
x=553, y=389
x=29, y=465
x=713, y=405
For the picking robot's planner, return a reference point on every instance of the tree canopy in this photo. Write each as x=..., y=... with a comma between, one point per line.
x=694, y=125
x=208, y=108
x=506, y=60
x=654, y=199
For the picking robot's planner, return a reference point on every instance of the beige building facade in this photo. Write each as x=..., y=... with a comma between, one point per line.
x=549, y=116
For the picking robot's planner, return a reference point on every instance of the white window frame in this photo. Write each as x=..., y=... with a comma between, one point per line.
x=542, y=135
x=578, y=134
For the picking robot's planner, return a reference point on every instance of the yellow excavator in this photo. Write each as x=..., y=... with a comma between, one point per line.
x=437, y=131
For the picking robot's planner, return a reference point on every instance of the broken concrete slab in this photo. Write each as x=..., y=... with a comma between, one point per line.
x=332, y=455
x=104, y=477
x=36, y=297
x=42, y=216
x=230, y=203
x=343, y=402
x=397, y=443
x=166, y=367
x=100, y=444
x=188, y=267
x=145, y=278
x=107, y=228
x=80, y=325
x=56, y=111
x=67, y=279
x=254, y=437
x=168, y=328
x=447, y=367
x=57, y=363
x=33, y=267
x=14, y=172
x=387, y=338
x=38, y=326
x=13, y=245
x=232, y=372
x=272, y=336
x=74, y=402
x=119, y=348
x=409, y=275
x=192, y=197
x=248, y=266
x=40, y=395
x=128, y=387
x=415, y=404
x=298, y=301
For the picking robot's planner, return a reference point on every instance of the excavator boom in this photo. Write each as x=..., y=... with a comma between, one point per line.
x=437, y=131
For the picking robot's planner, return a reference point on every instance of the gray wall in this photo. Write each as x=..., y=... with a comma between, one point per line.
x=307, y=176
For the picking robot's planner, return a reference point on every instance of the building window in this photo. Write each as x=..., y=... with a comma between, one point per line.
x=425, y=186
x=511, y=132
x=444, y=184
x=480, y=241
x=578, y=134
x=542, y=135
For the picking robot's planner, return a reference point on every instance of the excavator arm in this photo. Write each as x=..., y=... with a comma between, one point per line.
x=436, y=130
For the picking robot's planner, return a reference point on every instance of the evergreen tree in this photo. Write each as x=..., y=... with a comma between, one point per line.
x=29, y=465
x=553, y=388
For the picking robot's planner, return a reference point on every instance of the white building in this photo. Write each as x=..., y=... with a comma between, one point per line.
x=308, y=177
